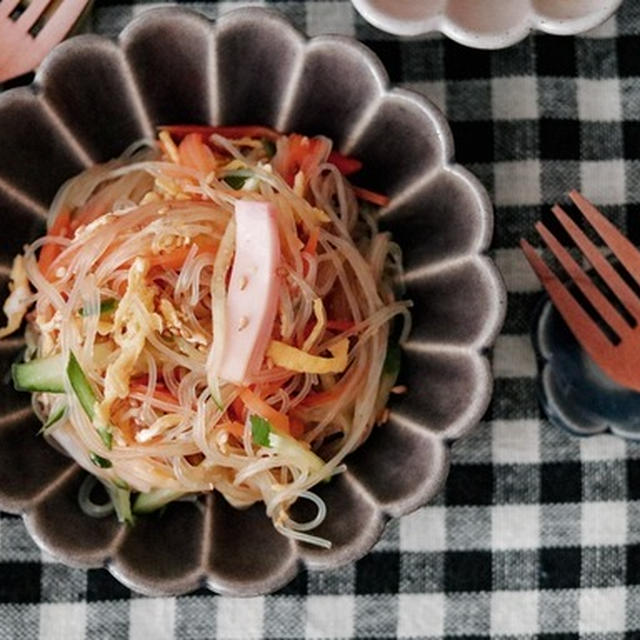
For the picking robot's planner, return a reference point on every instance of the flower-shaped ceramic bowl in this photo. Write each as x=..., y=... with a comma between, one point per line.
x=92, y=98
x=486, y=24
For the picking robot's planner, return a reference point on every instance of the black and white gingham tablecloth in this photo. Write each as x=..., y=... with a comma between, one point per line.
x=537, y=534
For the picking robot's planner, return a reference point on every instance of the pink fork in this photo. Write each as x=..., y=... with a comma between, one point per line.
x=619, y=360
x=26, y=39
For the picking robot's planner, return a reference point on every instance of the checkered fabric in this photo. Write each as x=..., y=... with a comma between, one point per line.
x=537, y=534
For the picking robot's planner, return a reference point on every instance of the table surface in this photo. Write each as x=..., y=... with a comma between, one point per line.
x=537, y=533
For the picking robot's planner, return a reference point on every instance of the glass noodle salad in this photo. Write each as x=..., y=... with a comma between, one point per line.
x=211, y=310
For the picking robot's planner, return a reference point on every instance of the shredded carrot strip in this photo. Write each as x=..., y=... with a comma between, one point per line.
x=196, y=154
x=296, y=427
x=267, y=389
x=159, y=393
x=175, y=259
x=302, y=154
x=95, y=207
x=312, y=242
x=50, y=252
x=128, y=431
x=346, y=164
x=234, y=428
x=371, y=196
x=256, y=405
x=340, y=325
x=319, y=398
x=239, y=409
x=231, y=132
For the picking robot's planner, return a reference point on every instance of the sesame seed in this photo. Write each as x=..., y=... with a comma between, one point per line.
x=399, y=389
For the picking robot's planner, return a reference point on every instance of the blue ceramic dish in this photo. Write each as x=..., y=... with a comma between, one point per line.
x=575, y=393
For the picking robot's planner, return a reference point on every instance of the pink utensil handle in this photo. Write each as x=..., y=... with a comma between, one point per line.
x=15, y=37
x=20, y=52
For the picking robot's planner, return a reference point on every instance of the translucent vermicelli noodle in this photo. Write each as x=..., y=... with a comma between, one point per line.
x=211, y=310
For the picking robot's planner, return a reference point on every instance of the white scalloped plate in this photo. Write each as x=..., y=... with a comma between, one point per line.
x=486, y=24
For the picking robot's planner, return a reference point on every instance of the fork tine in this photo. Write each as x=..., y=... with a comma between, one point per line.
x=621, y=246
x=61, y=21
x=7, y=7
x=586, y=331
x=31, y=14
x=612, y=278
x=606, y=310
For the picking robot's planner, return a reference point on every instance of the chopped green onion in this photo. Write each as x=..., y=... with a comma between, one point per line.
x=99, y=461
x=106, y=306
x=269, y=147
x=235, y=181
x=260, y=430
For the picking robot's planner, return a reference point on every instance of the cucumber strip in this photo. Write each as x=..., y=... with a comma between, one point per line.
x=266, y=435
x=389, y=376
x=82, y=387
x=53, y=418
x=121, y=499
x=155, y=499
x=106, y=437
x=291, y=448
x=121, y=484
x=87, y=397
x=43, y=374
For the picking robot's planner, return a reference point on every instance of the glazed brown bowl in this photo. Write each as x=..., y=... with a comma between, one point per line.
x=90, y=100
